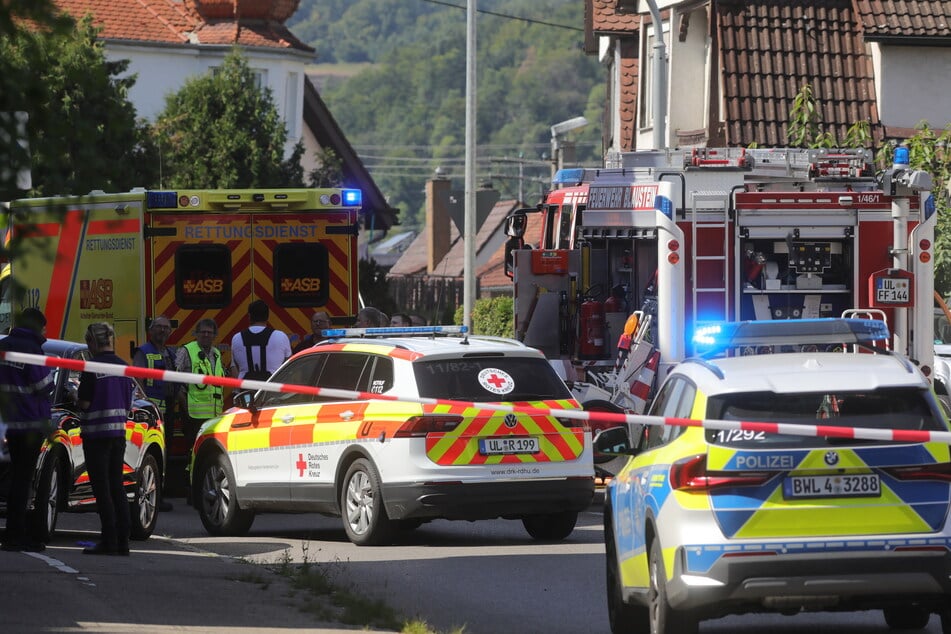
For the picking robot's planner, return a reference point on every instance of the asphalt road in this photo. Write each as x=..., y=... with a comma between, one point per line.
x=489, y=577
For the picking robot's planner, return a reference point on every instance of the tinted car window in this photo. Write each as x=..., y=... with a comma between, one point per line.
x=489, y=378
x=343, y=370
x=675, y=399
x=886, y=408
x=302, y=371
x=379, y=376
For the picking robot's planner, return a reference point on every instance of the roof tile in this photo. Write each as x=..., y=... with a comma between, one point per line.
x=770, y=48
x=172, y=22
x=904, y=18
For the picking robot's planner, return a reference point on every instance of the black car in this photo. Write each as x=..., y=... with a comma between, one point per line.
x=62, y=484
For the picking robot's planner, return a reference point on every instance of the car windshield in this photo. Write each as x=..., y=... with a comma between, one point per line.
x=487, y=379
x=886, y=408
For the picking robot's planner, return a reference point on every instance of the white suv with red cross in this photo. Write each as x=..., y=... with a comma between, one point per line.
x=385, y=465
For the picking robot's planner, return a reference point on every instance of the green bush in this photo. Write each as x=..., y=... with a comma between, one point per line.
x=493, y=316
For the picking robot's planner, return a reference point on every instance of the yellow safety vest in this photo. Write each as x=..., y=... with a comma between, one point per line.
x=204, y=401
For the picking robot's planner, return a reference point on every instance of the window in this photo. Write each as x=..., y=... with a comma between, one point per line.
x=303, y=371
x=343, y=371
x=378, y=378
x=675, y=400
x=564, y=228
x=301, y=274
x=203, y=276
x=531, y=379
x=883, y=408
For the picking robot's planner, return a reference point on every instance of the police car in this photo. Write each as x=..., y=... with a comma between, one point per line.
x=385, y=465
x=62, y=483
x=705, y=521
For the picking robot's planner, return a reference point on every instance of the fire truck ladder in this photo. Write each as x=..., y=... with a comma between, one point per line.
x=709, y=213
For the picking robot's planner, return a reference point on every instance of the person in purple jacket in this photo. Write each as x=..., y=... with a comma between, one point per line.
x=104, y=401
x=26, y=392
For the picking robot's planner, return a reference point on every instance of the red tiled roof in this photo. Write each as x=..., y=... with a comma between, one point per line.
x=492, y=275
x=904, y=18
x=453, y=265
x=172, y=22
x=147, y=20
x=770, y=48
x=607, y=18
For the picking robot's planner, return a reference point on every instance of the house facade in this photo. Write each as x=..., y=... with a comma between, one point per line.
x=168, y=42
x=735, y=67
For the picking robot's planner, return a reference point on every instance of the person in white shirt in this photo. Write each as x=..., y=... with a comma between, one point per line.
x=257, y=351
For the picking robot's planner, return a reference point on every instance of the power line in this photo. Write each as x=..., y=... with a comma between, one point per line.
x=508, y=17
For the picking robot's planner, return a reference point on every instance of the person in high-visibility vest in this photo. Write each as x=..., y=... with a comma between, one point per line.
x=198, y=403
x=155, y=355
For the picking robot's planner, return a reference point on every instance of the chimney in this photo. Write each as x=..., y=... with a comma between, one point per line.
x=437, y=221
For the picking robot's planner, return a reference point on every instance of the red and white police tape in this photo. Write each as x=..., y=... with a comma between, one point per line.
x=794, y=429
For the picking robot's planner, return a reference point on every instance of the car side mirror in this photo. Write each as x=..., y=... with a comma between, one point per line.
x=243, y=399
x=511, y=245
x=615, y=441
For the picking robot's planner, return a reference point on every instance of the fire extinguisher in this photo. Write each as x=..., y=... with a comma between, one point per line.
x=591, y=329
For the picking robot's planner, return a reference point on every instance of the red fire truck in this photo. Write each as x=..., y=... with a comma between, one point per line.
x=660, y=243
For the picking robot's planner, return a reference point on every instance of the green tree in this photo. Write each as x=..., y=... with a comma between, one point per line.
x=18, y=84
x=329, y=169
x=491, y=316
x=222, y=131
x=928, y=150
x=82, y=130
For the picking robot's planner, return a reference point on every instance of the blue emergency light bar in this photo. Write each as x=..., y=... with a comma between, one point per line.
x=352, y=198
x=393, y=331
x=568, y=176
x=161, y=200
x=789, y=332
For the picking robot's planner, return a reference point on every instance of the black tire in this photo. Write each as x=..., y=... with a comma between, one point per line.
x=217, y=500
x=361, y=506
x=908, y=617
x=552, y=527
x=50, y=490
x=143, y=511
x=623, y=617
x=663, y=618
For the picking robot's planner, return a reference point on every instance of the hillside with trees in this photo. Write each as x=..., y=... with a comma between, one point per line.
x=404, y=112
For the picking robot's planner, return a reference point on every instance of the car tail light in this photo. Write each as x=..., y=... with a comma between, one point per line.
x=937, y=471
x=690, y=474
x=419, y=426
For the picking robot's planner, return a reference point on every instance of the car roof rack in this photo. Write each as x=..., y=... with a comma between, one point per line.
x=395, y=331
x=719, y=337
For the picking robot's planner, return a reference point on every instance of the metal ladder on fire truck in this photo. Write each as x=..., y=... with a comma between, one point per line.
x=763, y=168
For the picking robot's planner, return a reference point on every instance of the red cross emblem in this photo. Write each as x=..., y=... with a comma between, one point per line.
x=495, y=380
x=301, y=464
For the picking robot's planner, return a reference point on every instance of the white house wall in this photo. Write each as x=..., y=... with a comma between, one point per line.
x=163, y=70
x=687, y=83
x=912, y=85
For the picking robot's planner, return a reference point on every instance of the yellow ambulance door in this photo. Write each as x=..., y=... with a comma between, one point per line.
x=302, y=262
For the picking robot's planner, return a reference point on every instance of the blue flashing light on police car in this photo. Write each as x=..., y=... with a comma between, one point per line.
x=715, y=338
